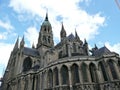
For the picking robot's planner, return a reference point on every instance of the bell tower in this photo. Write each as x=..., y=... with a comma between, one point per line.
x=45, y=34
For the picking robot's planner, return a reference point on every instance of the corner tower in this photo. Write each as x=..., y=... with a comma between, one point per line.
x=45, y=34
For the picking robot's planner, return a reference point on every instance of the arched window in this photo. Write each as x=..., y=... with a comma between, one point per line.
x=112, y=69
x=44, y=39
x=56, y=80
x=84, y=72
x=75, y=74
x=50, y=79
x=93, y=73
x=45, y=29
x=48, y=39
x=27, y=64
x=64, y=75
x=102, y=69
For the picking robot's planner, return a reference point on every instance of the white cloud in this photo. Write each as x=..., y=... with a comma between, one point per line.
x=6, y=25
x=3, y=35
x=5, y=50
x=71, y=14
x=7, y=29
x=31, y=35
x=114, y=48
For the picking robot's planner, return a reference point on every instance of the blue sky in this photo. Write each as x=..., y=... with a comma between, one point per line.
x=96, y=20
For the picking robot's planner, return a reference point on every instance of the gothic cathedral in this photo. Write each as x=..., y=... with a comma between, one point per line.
x=69, y=65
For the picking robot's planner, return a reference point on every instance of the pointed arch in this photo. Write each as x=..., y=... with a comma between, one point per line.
x=75, y=73
x=50, y=78
x=93, y=73
x=64, y=75
x=56, y=80
x=112, y=69
x=103, y=71
x=27, y=64
x=84, y=72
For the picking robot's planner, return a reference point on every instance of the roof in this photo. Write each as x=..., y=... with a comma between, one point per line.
x=30, y=51
x=71, y=37
x=102, y=51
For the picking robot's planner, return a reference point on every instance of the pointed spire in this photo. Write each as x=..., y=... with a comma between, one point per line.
x=33, y=46
x=76, y=36
x=22, y=42
x=63, y=27
x=17, y=43
x=63, y=32
x=96, y=47
x=85, y=41
x=46, y=18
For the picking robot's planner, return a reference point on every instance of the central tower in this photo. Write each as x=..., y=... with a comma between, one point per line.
x=45, y=34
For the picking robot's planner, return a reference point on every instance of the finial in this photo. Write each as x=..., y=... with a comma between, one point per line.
x=17, y=43
x=76, y=33
x=33, y=46
x=62, y=26
x=22, y=41
x=46, y=18
x=85, y=41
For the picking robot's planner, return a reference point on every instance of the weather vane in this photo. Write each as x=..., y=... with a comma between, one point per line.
x=118, y=3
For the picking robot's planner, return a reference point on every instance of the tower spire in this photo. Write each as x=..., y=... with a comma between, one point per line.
x=63, y=32
x=22, y=42
x=76, y=35
x=17, y=43
x=45, y=34
x=46, y=18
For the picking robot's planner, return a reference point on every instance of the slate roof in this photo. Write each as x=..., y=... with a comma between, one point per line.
x=71, y=37
x=102, y=51
x=30, y=51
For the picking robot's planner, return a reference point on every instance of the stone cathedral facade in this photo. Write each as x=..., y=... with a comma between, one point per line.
x=65, y=66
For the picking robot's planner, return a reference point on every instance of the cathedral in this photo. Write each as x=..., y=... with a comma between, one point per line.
x=68, y=65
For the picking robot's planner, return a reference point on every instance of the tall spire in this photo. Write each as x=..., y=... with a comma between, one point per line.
x=22, y=42
x=63, y=32
x=33, y=46
x=62, y=26
x=46, y=18
x=17, y=43
x=77, y=37
x=85, y=41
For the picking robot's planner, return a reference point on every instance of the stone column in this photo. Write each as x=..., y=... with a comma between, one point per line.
x=88, y=75
x=34, y=82
x=15, y=84
x=99, y=78
x=30, y=81
x=53, y=79
x=59, y=78
x=80, y=75
x=22, y=83
x=69, y=50
x=117, y=70
x=70, y=79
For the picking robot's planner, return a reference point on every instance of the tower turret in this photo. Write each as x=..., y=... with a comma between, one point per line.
x=62, y=33
x=45, y=34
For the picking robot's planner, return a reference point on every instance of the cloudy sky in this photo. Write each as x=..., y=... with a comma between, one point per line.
x=96, y=20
